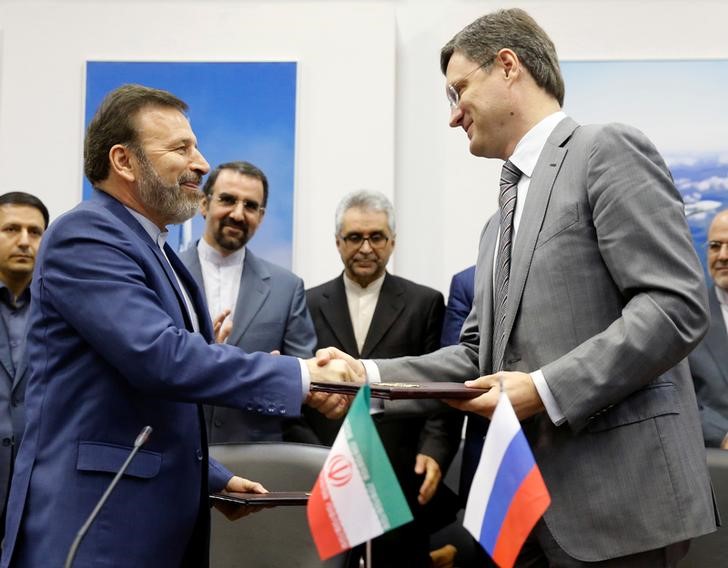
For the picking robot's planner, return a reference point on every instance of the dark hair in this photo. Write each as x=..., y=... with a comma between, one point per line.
x=22, y=198
x=244, y=168
x=513, y=29
x=114, y=123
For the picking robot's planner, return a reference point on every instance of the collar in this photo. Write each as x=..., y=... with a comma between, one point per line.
x=722, y=295
x=158, y=235
x=529, y=147
x=213, y=256
x=354, y=287
x=6, y=296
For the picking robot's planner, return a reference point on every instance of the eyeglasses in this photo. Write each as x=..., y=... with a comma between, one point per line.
x=715, y=246
x=230, y=202
x=451, y=90
x=356, y=240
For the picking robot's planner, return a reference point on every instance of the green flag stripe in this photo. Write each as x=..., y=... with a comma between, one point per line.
x=374, y=467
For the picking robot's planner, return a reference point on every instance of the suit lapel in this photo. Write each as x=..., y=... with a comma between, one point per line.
x=254, y=290
x=23, y=364
x=389, y=306
x=483, y=298
x=335, y=310
x=539, y=194
x=6, y=359
x=193, y=291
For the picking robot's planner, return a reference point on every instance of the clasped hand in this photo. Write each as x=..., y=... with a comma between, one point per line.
x=330, y=364
x=520, y=388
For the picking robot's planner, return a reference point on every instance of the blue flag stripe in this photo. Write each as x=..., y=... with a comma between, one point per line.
x=517, y=462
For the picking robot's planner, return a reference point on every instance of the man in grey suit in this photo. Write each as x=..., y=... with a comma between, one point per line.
x=23, y=219
x=709, y=362
x=588, y=298
x=266, y=303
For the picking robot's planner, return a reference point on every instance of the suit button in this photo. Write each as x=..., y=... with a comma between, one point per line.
x=249, y=407
x=198, y=454
x=271, y=409
x=282, y=410
x=259, y=408
x=217, y=422
x=7, y=441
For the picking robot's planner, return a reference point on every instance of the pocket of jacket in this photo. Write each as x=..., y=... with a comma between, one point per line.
x=654, y=400
x=566, y=220
x=108, y=458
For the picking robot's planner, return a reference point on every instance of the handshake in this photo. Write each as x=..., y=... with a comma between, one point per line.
x=331, y=364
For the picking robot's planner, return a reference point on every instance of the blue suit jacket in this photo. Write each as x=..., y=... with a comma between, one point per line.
x=110, y=351
x=270, y=314
x=12, y=411
x=709, y=367
x=459, y=304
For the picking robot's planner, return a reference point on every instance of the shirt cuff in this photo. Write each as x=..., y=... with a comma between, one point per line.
x=552, y=408
x=305, y=378
x=372, y=371
x=376, y=405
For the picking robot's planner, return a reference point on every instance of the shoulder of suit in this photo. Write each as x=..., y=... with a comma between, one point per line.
x=322, y=289
x=276, y=272
x=414, y=288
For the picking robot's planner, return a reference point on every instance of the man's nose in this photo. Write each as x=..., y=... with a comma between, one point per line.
x=199, y=163
x=238, y=212
x=456, y=116
x=723, y=252
x=24, y=238
x=366, y=247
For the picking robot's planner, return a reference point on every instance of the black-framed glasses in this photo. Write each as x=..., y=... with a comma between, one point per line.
x=356, y=240
x=453, y=93
x=715, y=246
x=231, y=202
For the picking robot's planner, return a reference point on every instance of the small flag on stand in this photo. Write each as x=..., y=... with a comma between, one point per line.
x=357, y=496
x=508, y=495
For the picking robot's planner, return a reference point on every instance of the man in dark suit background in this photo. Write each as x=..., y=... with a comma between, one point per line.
x=119, y=338
x=459, y=304
x=368, y=311
x=709, y=361
x=266, y=303
x=23, y=219
x=588, y=298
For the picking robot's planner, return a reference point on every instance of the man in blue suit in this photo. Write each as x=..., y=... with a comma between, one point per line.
x=119, y=339
x=709, y=362
x=23, y=218
x=459, y=304
x=266, y=303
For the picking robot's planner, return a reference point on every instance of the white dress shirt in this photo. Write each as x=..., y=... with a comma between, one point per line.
x=221, y=276
x=362, y=303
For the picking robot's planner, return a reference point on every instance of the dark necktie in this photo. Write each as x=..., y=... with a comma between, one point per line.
x=510, y=175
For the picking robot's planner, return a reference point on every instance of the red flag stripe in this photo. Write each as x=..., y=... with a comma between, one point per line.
x=321, y=519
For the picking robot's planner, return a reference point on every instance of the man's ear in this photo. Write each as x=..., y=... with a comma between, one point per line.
x=204, y=204
x=120, y=162
x=509, y=62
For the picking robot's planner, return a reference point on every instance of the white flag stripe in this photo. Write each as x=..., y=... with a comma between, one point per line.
x=503, y=426
x=351, y=501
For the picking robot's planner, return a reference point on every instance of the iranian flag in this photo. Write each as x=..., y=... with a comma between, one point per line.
x=356, y=496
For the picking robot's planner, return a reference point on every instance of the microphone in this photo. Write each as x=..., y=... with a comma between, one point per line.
x=138, y=443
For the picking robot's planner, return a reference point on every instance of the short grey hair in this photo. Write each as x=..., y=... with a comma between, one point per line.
x=482, y=39
x=369, y=201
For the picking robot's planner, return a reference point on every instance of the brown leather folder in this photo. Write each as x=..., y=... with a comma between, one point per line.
x=272, y=499
x=399, y=391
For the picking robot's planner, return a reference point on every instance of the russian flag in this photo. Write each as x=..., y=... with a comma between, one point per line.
x=508, y=495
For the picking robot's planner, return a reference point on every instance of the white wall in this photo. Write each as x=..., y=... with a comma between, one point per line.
x=360, y=123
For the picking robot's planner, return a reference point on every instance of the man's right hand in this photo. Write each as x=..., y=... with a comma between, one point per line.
x=329, y=355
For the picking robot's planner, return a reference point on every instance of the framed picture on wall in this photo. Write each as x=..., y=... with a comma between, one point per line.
x=238, y=111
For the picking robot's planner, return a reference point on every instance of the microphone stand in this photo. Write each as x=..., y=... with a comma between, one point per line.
x=138, y=443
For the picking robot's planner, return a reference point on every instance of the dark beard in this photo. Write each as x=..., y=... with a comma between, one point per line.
x=169, y=202
x=229, y=243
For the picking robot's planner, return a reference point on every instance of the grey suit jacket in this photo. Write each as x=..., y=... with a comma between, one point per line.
x=270, y=314
x=607, y=298
x=709, y=367
x=12, y=412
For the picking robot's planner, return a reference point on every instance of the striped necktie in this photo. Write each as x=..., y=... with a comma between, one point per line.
x=510, y=175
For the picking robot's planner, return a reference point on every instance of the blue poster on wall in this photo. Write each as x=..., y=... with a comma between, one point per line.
x=238, y=111
x=680, y=105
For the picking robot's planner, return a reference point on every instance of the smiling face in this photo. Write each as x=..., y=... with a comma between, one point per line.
x=169, y=167
x=21, y=228
x=233, y=211
x=486, y=108
x=718, y=252
x=363, y=262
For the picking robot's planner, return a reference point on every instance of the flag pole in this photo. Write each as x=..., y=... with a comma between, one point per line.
x=368, y=563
